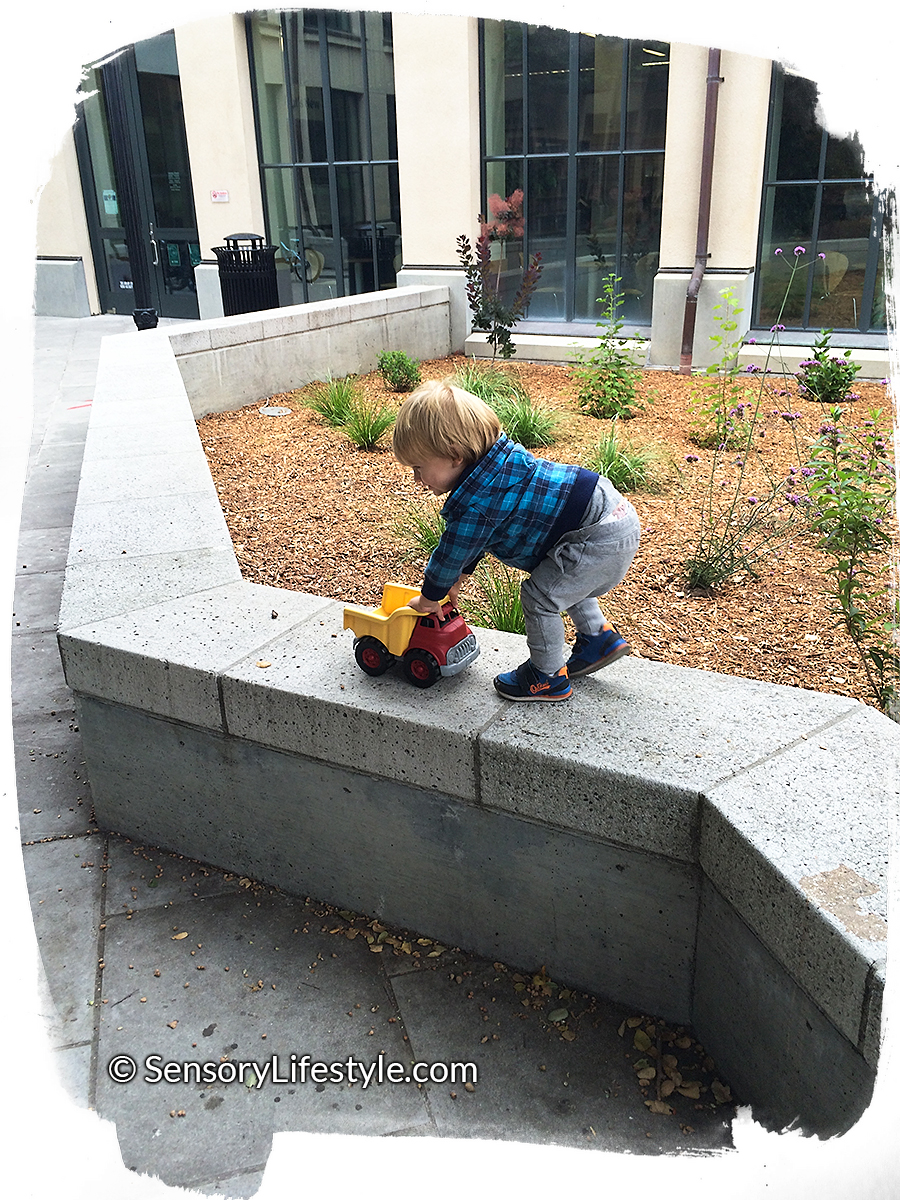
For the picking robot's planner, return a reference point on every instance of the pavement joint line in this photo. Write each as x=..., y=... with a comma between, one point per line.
x=814, y=732
x=100, y=945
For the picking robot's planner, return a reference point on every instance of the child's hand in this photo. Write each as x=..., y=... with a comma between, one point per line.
x=421, y=605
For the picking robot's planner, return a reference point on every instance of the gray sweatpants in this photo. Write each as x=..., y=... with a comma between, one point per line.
x=584, y=564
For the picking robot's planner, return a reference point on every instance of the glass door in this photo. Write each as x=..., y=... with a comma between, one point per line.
x=136, y=179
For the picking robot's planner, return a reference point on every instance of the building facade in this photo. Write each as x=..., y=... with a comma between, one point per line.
x=361, y=154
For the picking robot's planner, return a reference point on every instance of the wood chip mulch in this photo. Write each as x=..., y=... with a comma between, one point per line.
x=309, y=511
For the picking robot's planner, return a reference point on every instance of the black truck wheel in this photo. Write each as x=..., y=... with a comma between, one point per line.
x=421, y=668
x=373, y=656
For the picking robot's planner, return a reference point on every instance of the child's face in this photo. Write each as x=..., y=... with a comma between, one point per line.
x=439, y=475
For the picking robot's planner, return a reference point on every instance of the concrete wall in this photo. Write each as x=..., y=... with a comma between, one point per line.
x=62, y=234
x=709, y=849
x=738, y=165
x=231, y=361
x=218, y=118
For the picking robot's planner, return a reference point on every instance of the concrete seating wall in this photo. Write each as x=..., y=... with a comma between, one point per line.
x=708, y=849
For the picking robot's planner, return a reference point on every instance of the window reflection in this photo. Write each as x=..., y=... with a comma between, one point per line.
x=324, y=96
x=818, y=197
x=593, y=184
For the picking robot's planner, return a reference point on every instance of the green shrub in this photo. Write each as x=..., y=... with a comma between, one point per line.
x=399, y=371
x=496, y=602
x=530, y=424
x=628, y=467
x=419, y=528
x=489, y=383
x=333, y=399
x=718, y=407
x=366, y=422
x=607, y=373
x=825, y=378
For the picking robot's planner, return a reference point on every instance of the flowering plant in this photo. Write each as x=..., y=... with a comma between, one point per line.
x=508, y=220
x=490, y=313
x=851, y=485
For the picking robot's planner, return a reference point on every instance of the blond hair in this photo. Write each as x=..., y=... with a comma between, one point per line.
x=440, y=420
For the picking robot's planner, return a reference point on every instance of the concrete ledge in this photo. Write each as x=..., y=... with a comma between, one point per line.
x=786, y=360
x=706, y=848
x=60, y=288
x=545, y=347
x=228, y=362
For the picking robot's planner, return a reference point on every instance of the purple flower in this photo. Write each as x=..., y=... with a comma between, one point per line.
x=691, y=458
x=752, y=341
x=752, y=500
x=751, y=369
x=777, y=329
x=821, y=255
x=799, y=250
x=779, y=250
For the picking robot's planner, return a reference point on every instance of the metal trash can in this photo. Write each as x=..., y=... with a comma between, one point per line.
x=247, y=274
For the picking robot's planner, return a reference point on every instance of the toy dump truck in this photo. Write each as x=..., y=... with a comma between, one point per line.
x=428, y=646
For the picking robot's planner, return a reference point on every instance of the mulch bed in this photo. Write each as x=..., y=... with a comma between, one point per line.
x=309, y=511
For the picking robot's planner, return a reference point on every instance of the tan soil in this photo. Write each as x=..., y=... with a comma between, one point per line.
x=308, y=511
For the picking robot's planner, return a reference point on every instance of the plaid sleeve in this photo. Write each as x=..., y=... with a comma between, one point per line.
x=462, y=543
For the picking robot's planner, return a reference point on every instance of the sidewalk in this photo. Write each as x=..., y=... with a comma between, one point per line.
x=148, y=953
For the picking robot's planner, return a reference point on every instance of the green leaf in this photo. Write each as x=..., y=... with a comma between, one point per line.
x=558, y=1014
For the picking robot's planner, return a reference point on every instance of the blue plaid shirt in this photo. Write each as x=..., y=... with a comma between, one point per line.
x=509, y=503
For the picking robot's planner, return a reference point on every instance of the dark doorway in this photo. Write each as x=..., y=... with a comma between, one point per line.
x=136, y=178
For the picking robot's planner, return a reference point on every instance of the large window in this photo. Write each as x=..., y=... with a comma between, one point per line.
x=578, y=122
x=818, y=196
x=323, y=85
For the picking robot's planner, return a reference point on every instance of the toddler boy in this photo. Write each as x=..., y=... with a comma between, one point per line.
x=567, y=526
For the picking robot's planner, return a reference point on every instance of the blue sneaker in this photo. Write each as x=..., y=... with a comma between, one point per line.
x=591, y=652
x=528, y=683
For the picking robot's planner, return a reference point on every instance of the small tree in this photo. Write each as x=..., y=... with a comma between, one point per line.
x=490, y=314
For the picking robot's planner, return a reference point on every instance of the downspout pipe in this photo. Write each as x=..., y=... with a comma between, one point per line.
x=713, y=80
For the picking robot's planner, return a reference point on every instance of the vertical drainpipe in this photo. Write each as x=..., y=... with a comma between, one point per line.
x=713, y=79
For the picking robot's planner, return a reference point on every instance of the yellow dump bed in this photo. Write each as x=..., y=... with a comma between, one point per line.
x=392, y=623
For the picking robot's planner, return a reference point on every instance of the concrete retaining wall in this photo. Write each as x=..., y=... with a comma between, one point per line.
x=709, y=849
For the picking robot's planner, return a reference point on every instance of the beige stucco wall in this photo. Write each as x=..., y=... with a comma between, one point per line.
x=738, y=163
x=436, y=81
x=218, y=117
x=61, y=225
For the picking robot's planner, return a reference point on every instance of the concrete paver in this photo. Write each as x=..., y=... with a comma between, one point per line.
x=121, y=981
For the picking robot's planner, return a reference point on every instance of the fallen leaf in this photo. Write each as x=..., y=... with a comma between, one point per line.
x=659, y=1106
x=691, y=1090
x=558, y=1014
x=666, y=1088
x=179, y=936
x=641, y=1041
x=568, y=1034
x=721, y=1092
x=263, y=663
x=647, y=1073
x=172, y=1024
